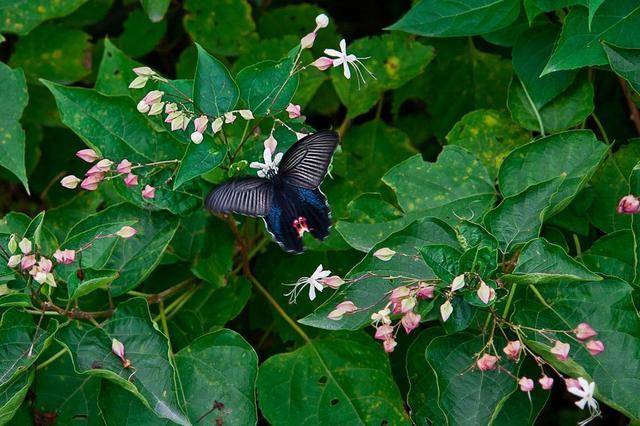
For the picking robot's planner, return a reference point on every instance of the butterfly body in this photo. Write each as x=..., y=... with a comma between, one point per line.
x=288, y=198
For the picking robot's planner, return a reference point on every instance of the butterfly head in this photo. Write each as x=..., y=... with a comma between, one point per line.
x=301, y=226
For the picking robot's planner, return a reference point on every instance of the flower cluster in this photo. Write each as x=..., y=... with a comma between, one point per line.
x=629, y=204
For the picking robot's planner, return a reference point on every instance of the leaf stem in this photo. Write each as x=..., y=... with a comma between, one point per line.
x=509, y=300
x=52, y=358
x=165, y=326
x=533, y=106
x=600, y=128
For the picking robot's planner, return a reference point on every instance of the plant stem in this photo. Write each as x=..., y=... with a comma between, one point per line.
x=51, y=359
x=533, y=106
x=509, y=300
x=165, y=326
x=600, y=128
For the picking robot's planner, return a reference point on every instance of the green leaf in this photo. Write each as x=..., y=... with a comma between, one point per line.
x=607, y=257
x=541, y=262
x=12, y=136
x=488, y=134
x=199, y=159
x=21, y=342
x=118, y=408
x=53, y=52
x=219, y=367
x=92, y=280
x=465, y=395
x=434, y=189
x=12, y=394
x=22, y=17
x=370, y=293
x=578, y=46
x=267, y=87
x=442, y=259
x=608, y=307
x=136, y=257
x=88, y=13
x=112, y=125
x=518, y=218
x=534, y=8
x=145, y=346
x=19, y=300
x=226, y=29
x=343, y=378
x=214, y=90
x=573, y=155
x=140, y=36
x=155, y=9
x=626, y=63
x=449, y=18
x=116, y=72
x=393, y=59
x=530, y=54
x=567, y=110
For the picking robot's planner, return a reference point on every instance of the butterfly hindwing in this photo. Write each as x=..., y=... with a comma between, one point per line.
x=305, y=164
x=249, y=196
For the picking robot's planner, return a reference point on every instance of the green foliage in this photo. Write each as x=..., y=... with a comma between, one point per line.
x=484, y=148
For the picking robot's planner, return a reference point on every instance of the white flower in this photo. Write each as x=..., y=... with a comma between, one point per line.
x=585, y=392
x=458, y=283
x=269, y=165
x=345, y=59
x=381, y=316
x=446, y=309
x=314, y=282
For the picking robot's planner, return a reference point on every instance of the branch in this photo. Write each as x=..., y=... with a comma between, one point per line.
x=634, y=114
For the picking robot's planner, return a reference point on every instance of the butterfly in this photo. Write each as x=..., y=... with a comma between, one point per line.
x=288, y=197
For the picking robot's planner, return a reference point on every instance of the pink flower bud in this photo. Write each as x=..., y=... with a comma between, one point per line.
x=117, y=348
x=14, y=260
x=333, y=281
x=197, y=137
x=138, y=82
x=143, y=107
x=446, y=309
x=293, y=110
x=486, y=293
x=91, y=182
x=216, y=125
x=307, y=41
x=629, y=204
x=101, y=166
x=389, y=345
x=131, y=180
x=572, y=383
x=546, y=382
x=399, y=293
x=153, y=97
x=458, y=283
x=27, y=262
x=124, y=167
x=410, y=321
x=70, y=181
x=25, y=246
x=270, y=143
x=144, y=71
x=384, y=332
x=487, y=362
x=561, y=350
x=126, y=232
x=170, y=107
x=156, y=108
x=200, y=123
x=246, y=114
x=594, y=347
x=342, y=308
x=407, y=304
x=87, y=155
x=229, y=117
x=584, y=331
x=65, y=257
x=512, y=350
x=425, y=291
x=149, y=192
x=322, y=21
x=526, y=384
x=45, y=264
x=322, y=63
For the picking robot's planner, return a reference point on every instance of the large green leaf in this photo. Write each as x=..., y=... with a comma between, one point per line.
x=579, y=44
x=21, y=342
x=117, y=407
x=12, y=136
x=393, y=59
x=145, y=346
x=219, y=367
x=268, y=86
x=12, y=394
x=22, y=16
x=116, y=72
x=626, y=63
x=608, y=307
x=343, y=378
x=447, y=18
x=214, y=90
x=140, y=35
x=199, y=159
x=490, y=135
x=574, y=155
x=608, y=257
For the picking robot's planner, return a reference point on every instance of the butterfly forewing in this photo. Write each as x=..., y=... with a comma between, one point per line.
x=249, y=196
x=305, y=164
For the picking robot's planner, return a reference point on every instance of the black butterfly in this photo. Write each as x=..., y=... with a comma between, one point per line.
x=288, y=199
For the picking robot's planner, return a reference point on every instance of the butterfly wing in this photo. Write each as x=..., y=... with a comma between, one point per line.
x=291, y=203
x=305, y=164
x=249, y=196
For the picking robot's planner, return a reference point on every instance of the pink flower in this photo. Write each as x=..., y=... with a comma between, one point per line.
x=629, y=204
x=124, y=167
x=144, y=71
x=229, y=117
x=384, y=332
x=293, y=110
x=200, y=123
x=546, y=382
x=65, y=256
x=307, y=41
x=561, y=350
x=87, y=155
x=409, y=321
x=381, y=315
x=526, y=384
x=149, y=192
x=45, y=264
x=512, y=350
x=584, y=331
x=323, y=63
x=389, y=345
x=425, y=291
x=101, y=166
x=487, y=362
x=118, y=349
x=594, y=347
x=70, y=181
x=151, y=103
x=14, y=260
x=131, y=180
x=486, y=293
x=91, y=182
x=342, y=308
x=270, y=143
x=126, y=232
x=333, y=281
x=27, y=262
x=571, y=383
x=399, y=293
x=25, y=246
